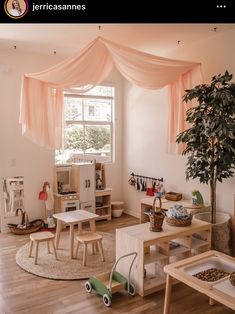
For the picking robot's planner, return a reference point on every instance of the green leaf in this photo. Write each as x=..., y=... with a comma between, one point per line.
x=210, y=141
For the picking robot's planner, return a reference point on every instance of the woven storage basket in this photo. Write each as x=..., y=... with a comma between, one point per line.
x=179, y=222
x=156, y=221
x=172, y=196
x=34, y=226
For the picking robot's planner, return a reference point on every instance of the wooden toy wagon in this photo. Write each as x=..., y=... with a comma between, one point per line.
x=107, y=284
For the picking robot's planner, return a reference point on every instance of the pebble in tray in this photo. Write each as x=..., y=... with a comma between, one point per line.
x=211, y=274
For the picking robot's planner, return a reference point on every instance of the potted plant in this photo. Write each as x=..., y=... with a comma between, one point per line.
x=210, y=140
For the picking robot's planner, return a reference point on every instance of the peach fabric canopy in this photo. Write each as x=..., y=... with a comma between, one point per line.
x=41, y=113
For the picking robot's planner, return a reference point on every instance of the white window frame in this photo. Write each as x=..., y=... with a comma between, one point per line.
x=84, y=122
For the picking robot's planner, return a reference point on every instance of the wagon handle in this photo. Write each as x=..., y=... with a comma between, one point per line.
x=114, y=267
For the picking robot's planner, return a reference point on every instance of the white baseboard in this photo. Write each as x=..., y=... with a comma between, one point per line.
x=132, y=213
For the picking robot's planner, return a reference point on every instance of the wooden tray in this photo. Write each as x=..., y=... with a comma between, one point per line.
x=173, y=196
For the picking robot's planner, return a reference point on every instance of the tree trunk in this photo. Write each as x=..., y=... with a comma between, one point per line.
x=213, y=200
x=213, y=183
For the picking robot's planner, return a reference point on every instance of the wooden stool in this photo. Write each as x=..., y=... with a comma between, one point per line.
x=87, y=238
x=41, y=237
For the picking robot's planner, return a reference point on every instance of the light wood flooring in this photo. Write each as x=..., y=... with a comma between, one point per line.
x=23, y=293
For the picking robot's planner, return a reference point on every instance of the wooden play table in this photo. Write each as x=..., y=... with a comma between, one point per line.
x=72, y=218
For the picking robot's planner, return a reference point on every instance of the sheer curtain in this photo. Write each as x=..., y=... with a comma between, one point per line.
x=42, y=93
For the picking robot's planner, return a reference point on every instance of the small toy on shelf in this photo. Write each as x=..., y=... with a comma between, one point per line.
x=99, y=182
x=197, y=198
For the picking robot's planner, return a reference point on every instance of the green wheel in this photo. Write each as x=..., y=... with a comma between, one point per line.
x=88, y=286
x=107, y=300
x=131, y=289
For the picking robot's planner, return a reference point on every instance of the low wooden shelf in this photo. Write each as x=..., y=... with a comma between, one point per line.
x=155, y=251
x=104, y=196
x=147, y=203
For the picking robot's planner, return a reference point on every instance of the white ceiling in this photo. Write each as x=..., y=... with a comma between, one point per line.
x=67, y=39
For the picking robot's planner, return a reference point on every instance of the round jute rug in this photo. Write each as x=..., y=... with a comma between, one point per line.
x=66, y=268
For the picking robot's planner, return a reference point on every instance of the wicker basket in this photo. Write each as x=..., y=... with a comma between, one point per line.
x=172, y=196
x=33, y=226
x=179, y=222
x=156, y=221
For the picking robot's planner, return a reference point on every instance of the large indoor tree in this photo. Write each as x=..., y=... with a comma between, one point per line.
x=210, y=140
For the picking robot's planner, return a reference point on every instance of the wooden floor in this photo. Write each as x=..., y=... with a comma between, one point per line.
x=21, y=292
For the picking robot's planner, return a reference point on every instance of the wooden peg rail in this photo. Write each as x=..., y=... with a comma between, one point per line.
x=145, y=177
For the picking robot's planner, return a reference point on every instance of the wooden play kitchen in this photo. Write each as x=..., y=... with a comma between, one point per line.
x=157, y=249
x=220, y=290
x=75, y=188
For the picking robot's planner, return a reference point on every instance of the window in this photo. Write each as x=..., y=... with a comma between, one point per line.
x=91, y=110
x=88, y=126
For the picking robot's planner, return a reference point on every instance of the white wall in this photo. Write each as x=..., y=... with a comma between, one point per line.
x=21, y=157
x=145, y=127
x=18, y=155
x=114, y=171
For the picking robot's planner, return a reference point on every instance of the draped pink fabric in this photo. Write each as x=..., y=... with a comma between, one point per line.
x=177, y=108
x=41, y=112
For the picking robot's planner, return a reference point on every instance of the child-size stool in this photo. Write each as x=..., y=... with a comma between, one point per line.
x=87, y=238
x=41, y=237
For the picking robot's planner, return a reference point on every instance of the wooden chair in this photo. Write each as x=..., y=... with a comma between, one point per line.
x=85, y=239
x=41, y=237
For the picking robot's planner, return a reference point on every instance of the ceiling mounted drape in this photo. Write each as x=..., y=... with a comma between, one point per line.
x=41, y=112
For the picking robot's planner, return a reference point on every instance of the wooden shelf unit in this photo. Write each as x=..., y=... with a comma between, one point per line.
x=155, y=250
x=104, y=197
x=147, y=202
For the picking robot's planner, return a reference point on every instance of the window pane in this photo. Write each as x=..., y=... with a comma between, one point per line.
x=82, y=141
x=101, y=91
x=97, y=109
x=72, y=108
x=75, y=137
x=99, y=139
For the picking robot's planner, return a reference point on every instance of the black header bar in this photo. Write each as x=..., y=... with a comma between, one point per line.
x=118, y=11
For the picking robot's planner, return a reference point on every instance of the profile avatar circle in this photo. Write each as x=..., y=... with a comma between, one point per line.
x=16, y=8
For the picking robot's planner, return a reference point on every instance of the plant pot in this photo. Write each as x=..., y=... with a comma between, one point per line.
x=221, y=238
x=156, y=221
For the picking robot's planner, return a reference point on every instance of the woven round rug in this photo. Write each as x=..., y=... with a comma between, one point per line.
x=65, y=268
